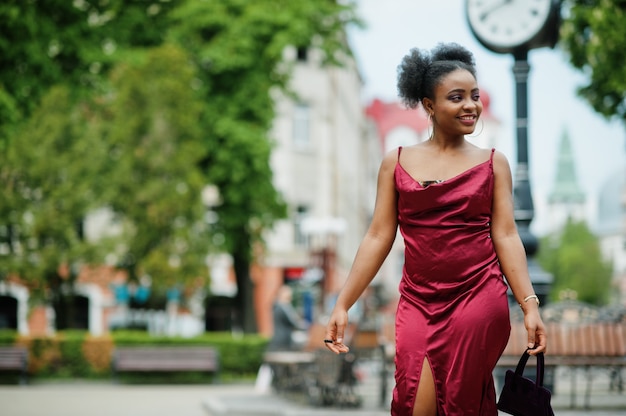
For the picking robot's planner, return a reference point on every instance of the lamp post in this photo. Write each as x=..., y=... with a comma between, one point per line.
x=524, y=207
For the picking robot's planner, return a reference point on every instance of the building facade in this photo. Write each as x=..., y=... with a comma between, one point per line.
x=324, y=164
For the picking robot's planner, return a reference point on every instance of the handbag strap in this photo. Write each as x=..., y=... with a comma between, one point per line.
x=519, y=370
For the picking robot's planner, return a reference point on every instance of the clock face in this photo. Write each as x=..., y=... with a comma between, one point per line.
x=506, y=24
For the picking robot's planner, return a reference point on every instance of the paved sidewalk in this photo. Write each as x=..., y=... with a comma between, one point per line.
x=603, y=402
x=107, y=399
x=104, y=399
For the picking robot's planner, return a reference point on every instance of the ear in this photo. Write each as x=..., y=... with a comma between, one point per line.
x=428, y=106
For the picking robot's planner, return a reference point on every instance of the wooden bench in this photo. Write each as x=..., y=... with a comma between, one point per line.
x=577, y=346
x=166, y=359
x=14, y=358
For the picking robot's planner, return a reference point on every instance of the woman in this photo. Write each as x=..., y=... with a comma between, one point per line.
x=454, y=206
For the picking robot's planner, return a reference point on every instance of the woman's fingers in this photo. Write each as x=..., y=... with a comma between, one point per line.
x=335, y=333
x=540, y=342
x=537, y=340
x=336, y=347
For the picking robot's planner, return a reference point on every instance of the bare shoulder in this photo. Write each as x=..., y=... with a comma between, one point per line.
x=390, y=159
x=502, y=170
x=500, y=161
x=387, y=166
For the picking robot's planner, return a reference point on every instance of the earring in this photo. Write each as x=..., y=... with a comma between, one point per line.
x=430, y=126
x=482, y=125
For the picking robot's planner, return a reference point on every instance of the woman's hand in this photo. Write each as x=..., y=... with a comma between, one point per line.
x=536, y=332
x=335, y=332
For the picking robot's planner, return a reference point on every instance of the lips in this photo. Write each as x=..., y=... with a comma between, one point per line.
x=469, y=119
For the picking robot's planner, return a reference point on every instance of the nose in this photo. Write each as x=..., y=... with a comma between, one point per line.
x=469, y=103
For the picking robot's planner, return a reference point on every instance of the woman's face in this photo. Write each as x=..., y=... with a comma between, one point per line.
x=457, y=106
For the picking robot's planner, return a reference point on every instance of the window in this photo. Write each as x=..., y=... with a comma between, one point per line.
x=302, y=54
x=300, y=238
x=301, y=122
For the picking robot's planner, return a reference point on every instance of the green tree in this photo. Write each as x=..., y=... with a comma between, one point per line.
x=237, y=47
x=47, y=182
x=593, y=35
x=151, y=125
x=240, y=45
x=573, y=257
x=44, y=43
x=136, y=151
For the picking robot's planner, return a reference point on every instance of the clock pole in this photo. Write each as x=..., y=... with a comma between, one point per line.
x=524, y=208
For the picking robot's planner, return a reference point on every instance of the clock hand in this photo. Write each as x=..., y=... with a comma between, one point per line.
x=486, y=14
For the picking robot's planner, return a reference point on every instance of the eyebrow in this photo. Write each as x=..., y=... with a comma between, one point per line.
x=461, y=90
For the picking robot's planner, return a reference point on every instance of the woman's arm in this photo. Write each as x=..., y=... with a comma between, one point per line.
x=511, y=253
x=372, y=252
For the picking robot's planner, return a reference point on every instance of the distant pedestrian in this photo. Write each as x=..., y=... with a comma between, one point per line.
x=286, y=322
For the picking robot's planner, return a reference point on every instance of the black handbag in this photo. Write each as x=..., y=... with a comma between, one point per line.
x=521, y=396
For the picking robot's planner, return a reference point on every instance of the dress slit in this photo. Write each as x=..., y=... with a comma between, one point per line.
x=432, y=395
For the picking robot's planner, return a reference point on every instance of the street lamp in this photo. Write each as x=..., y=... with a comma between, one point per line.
x=524, y=207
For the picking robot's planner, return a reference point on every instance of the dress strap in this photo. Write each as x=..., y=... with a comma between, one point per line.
x=399, y=150
x=493, y=150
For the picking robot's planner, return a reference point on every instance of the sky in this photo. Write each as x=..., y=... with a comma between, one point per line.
x=393, y=27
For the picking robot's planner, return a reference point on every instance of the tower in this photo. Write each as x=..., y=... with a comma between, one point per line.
x=567, y=201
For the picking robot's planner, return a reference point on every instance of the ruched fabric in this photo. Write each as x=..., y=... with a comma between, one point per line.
x=453, y=307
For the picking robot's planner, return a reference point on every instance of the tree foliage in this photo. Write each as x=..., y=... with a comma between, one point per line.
x=49, y=184
x=594, y=37
x=166, y=96
x=57, y=57
x=573, y=257
x=240, y=45
x=44, y=43
x=151, y=126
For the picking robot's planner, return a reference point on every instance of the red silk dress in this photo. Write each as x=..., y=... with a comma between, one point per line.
x=453, y=307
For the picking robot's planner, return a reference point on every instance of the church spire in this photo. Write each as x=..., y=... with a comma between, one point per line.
x=567, y=201
x=566, y=189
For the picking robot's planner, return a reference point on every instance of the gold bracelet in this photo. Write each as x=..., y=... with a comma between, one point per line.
x=530, y=297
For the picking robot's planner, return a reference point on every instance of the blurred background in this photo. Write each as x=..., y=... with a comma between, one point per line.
x=166, y=166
